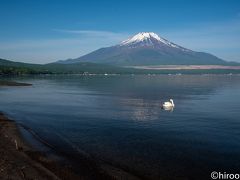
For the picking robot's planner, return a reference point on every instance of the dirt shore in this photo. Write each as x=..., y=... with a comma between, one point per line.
x=14, y=161
x=19, y=161
x=13, y=83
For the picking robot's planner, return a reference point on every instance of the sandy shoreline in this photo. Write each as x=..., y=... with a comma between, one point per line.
x=18, y=160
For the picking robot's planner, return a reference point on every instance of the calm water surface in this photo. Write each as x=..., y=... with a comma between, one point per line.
x=118, y=119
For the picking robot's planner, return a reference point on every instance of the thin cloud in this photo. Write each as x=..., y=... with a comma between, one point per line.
x=87, y=37
x=93, y=33
x=51, y=49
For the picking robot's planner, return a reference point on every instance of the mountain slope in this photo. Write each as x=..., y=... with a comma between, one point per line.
x=147, y=49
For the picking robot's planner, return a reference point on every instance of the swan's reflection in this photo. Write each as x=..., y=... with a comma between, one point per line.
x=144, y=110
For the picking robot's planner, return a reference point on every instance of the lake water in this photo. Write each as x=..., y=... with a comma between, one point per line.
x=119, y=120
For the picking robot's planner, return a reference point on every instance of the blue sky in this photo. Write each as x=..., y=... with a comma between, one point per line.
x=45, y=31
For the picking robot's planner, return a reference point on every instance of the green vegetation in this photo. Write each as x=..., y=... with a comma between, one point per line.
x=16, y=68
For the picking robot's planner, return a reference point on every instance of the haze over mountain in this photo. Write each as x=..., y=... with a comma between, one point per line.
x=147, y=48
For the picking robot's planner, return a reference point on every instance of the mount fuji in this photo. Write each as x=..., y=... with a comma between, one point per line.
x=147, y=48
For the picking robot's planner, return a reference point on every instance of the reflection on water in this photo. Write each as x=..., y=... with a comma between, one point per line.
x=119, y=119
x=142, y=110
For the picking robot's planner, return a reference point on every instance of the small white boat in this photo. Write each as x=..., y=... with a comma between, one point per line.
x=168, y=104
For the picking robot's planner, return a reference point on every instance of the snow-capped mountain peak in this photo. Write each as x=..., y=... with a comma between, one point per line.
x=141, y=37
x=149, y=39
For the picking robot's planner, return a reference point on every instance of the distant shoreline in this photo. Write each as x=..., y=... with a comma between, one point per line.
x=186, y=67
x=11, y=68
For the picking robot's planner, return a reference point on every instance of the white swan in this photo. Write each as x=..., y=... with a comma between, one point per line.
x=168, y=104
